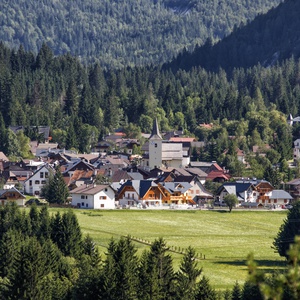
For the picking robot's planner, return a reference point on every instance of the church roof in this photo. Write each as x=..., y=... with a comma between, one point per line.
x=155, y=134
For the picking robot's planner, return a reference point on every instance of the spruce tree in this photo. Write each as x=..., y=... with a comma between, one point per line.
x=205, y=291
x=156, y=274
x=288, y=230
x=236, y=292
x=57, y=191
x=187, y=275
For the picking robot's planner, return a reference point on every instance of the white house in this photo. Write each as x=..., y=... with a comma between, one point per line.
x=93, y=196
x=279, y=198
x=245, y=192
x=33, y=185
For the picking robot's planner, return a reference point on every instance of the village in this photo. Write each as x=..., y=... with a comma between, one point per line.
x=162, y=177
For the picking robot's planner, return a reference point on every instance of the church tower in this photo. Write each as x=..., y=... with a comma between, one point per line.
x=155, y=147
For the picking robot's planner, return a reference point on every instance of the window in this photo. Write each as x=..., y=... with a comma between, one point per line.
x=87, y=205
x=82, y=203
x=37, y=182
x=46, y=175
x=105, y=189
x=82, y=197
x=155, y=145
x=30, y=182
x=42, y=175
x=102, y=205
x=37, y=192
x=43, y=182
x=102, y=197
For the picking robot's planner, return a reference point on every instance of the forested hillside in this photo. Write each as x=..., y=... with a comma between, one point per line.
x=270, y=38
x=82, y=104
x=121, y=33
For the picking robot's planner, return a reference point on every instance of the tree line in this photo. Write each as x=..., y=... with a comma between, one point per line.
x=122, y=33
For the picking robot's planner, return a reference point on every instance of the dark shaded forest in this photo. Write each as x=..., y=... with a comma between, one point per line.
x=266, y=40
x=122, y=33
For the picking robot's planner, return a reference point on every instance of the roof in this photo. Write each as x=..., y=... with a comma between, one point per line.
x=280, y=194
x=182, y=139
x=171, y=151
x=140, y=186
x=217, y=174
x=155, y=134
x=236, y=188
x=173, y=187
x=3, y=156
x=294, y=181
x=91, y=189
x=13, y=189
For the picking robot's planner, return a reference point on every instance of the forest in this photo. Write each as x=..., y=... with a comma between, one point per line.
x=123, y=33
x=82, y=104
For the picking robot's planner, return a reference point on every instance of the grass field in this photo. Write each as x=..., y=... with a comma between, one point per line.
x=225, y=239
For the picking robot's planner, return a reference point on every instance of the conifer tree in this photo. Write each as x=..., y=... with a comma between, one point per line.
x=236, y=292
x=288, y=230
x=205, y=291
x=120, y=267
x=56, y=191
x=156, y=274
x=187, y=275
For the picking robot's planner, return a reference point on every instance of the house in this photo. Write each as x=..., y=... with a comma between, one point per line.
x=279, y=198
x=263, y=190
x=12, y=195
x=245, y=192
x=176, y=193
x=34, y=184
x=140, y=192
x=43, y=149
x=197, y=190
x=293, y=187
x=93, y=196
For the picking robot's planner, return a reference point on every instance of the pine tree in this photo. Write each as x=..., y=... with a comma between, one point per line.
x=71, y=236
x=205, y=291
x=288, y=230
x=156, y=274
x=187, y=275
x=56, y=191
x=120, y=266
x=236, y=292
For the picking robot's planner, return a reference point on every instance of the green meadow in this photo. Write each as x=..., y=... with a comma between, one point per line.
x=222, y=240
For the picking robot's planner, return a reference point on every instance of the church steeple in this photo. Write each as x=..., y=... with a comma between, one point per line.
x=155, y=134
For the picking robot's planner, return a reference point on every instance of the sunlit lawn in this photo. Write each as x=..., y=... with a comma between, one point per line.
x=225, y=239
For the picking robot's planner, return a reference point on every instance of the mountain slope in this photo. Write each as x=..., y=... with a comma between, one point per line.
x=268, y=39
x=121, y=33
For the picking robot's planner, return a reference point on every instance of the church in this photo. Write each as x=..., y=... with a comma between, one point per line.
x=161, y=153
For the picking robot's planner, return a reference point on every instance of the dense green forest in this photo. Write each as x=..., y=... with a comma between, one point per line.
x=268, y=39
x=81, y=104
x=122, y=33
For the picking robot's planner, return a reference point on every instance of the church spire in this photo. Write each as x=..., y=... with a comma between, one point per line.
x=155, y=131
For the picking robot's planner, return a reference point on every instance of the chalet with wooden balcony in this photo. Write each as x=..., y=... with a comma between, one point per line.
x=12, y=195
x=263, y=192
x=140, y=192
x=176, y=193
